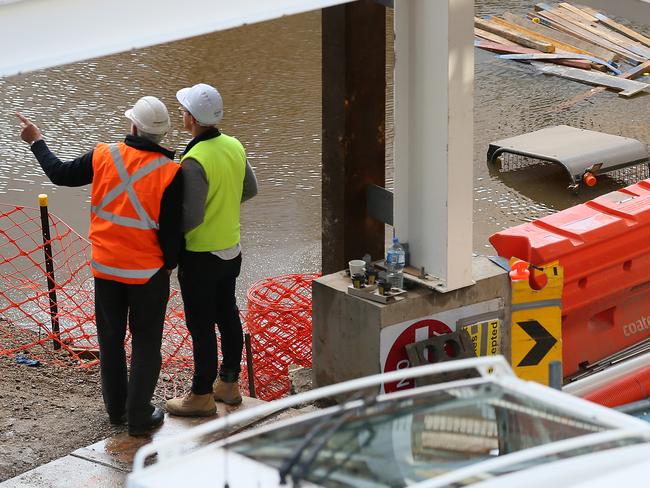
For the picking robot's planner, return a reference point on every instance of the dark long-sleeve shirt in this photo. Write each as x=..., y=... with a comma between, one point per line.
x=79, y=172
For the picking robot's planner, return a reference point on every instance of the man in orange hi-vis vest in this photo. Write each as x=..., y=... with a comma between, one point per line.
x=135, y=235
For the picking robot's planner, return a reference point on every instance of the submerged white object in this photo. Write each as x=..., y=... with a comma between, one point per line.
x=576, y=150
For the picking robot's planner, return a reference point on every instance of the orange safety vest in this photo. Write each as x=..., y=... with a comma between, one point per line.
x=128, y=185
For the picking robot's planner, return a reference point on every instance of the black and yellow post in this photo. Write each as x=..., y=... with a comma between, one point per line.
x=49, y=269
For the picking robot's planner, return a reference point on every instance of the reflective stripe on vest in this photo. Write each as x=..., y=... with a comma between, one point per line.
x=124, y=273
x=144, y=221
x=125, y=212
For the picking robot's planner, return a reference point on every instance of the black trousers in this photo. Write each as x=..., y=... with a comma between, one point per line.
x=208, y=289
x=144, y=306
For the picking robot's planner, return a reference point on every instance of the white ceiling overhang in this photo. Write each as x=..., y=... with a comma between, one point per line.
x=36, y=34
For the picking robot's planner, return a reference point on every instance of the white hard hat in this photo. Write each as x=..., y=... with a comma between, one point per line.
x=203, y=102
x=149, y=115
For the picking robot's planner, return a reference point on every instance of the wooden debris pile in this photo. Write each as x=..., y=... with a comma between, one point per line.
x=574, y=42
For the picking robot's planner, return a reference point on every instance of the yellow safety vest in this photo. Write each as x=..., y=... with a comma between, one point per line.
x=224, y=161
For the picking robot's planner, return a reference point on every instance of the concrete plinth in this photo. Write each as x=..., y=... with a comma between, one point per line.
x=347, y=330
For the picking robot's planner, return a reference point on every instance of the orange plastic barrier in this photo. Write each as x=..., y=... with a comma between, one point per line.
x=630, y=389
x=604, y=247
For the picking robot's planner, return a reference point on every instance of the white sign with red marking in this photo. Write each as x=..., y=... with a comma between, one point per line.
x=394, y=338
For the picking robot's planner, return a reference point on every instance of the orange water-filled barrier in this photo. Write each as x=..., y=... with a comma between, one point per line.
x=632, y=388
x=604, y=247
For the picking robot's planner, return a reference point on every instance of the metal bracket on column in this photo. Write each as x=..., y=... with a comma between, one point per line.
x=379, y=203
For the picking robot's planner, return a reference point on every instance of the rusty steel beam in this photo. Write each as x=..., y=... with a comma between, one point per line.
x=354, y=118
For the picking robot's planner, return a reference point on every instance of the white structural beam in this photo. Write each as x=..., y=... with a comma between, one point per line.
x=36, y=34
x=434, y=80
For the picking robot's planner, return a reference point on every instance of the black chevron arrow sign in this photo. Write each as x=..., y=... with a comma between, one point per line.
x=544, y=341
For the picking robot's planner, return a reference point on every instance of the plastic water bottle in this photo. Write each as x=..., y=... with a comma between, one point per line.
x=395, y=261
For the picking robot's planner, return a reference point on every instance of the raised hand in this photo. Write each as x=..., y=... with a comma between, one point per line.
x=30, y=132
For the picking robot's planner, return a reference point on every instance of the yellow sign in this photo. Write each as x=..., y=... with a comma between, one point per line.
x=485, y=337
x=536, y=324
x=522, y=292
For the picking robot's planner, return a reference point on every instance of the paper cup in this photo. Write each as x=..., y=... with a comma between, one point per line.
x=357, y=266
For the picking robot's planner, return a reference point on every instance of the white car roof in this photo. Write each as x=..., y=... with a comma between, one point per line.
x=626, y=466
x=172, y=463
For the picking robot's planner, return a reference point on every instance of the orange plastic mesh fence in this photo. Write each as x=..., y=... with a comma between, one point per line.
x=24, y=300
x=281, y=332
x=279, y=321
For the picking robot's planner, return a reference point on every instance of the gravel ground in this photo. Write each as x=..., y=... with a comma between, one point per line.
x=47, y=411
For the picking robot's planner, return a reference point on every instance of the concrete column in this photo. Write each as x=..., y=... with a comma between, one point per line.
x=354, y=106
x=434, y=78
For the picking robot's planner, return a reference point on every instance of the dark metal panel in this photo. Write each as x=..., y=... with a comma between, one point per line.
x=354, y=104
x=380, y=203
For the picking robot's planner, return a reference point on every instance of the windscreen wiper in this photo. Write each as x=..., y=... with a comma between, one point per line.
x=289, y=464
x=324, y=477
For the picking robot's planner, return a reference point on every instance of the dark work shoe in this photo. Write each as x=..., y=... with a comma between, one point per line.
x=117, y=419
x=156, y=419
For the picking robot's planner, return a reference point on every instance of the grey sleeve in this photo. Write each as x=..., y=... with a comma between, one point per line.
x=195, y=192
x=250, y=183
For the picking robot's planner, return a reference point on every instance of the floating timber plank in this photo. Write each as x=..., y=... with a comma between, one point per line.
x=514, y=36
x=566, y=60
x=627, y=87
x=589, y=10
x=632, y=34
x=559, y=47
x=573, y=13
x=596, y=29
x=570, y=20
x=562, y=38
x=503, y=48
x=628, y=75
x=587, y=16
x=535, y=35
x=600, y=29
x=561, y=23
x=489, y=36
x=570, y=28
x=636, y=71
x=579, y=60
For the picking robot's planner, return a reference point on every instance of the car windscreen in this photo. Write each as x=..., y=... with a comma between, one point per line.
x=403, y=441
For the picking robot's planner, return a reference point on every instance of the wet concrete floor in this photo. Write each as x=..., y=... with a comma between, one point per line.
x=108, y=462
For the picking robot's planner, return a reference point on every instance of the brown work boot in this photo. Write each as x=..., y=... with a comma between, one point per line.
x=192, y=405
x=227, y=393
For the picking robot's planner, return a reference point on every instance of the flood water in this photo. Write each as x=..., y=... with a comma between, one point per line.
x=270, y=77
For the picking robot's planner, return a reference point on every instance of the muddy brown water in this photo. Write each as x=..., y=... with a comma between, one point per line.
x=269, y=76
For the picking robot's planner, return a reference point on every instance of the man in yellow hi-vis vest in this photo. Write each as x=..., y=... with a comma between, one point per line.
x=135, y=235
x=217, y=178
